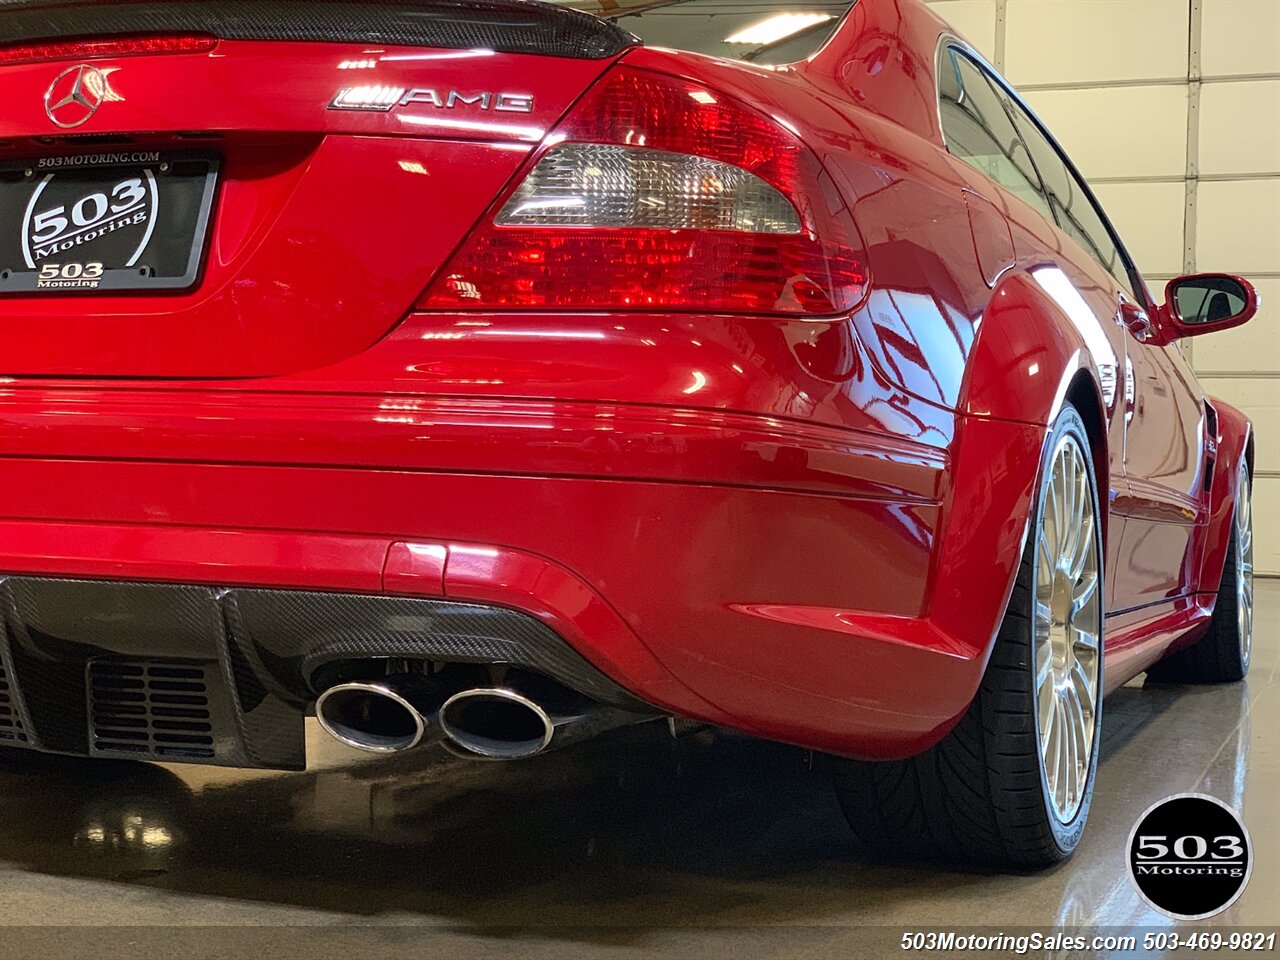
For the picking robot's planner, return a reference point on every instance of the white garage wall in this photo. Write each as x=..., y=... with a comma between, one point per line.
x=1171, y=108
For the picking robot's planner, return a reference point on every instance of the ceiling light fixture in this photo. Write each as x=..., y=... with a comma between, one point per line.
x=778, y=27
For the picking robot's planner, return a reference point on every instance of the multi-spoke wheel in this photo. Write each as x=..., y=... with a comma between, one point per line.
x=1011, y=783
x=1244, y=562
x=1068, y=625
x=1223, y=654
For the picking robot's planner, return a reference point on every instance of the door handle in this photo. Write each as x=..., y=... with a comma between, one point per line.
x=1134, y=319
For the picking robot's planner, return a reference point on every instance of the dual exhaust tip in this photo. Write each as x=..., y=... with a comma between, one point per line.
x=496, y=723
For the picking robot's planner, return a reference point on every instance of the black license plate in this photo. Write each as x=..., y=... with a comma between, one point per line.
x=136, y=220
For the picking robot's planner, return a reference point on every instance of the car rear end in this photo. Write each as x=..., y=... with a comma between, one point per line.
x=469, y=342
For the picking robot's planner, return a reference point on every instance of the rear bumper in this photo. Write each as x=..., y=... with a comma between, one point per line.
x=769, y=575
x=224, y=675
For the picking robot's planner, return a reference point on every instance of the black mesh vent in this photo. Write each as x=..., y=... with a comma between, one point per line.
x=149, y=709
x=10, y=722
x=508, y=26
x=1211, y=444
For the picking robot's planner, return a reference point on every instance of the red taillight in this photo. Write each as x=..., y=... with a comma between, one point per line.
x=658, y=194
x=114, y=47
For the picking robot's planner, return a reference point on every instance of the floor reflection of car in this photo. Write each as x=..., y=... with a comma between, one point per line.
x=766, y=368
x=653, y=819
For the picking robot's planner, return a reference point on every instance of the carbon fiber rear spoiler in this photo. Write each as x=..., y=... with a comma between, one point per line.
x=506, y=26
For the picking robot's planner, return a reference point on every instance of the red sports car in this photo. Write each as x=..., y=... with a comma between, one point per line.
x=494, y=373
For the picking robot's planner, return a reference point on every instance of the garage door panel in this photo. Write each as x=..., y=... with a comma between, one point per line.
x=1252, y=348
x=1085, y=121
x=1239, y=37
x=1230, y=143
x=975, y=20
x=1266, y=521
x=1260, y=400
x=1049, y=41
x=1236, y=226
x=1149, y=217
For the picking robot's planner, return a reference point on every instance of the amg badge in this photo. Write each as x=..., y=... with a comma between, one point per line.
x=380, y=99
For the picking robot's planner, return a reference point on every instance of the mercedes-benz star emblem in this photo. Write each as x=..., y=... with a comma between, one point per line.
x=75, y=95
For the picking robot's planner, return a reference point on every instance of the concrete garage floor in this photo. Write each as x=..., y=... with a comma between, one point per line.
x=634, y=845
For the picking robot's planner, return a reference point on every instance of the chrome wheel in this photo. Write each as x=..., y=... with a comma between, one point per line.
x=1068, y=625
x=1244, y=565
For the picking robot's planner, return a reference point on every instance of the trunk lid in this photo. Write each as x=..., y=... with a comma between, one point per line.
x=291, y=185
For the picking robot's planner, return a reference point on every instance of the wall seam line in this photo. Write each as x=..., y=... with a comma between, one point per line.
x=1001, y=33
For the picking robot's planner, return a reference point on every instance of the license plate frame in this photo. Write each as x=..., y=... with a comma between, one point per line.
x=84, y=208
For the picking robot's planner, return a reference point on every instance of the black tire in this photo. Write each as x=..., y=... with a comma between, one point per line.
x=981, y=795
x=1219, y=656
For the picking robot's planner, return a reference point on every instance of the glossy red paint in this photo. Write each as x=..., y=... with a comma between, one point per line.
x=299, y=275
x=1140, y=637
x=806, y=529
x=285, y=288
x=1232, y=444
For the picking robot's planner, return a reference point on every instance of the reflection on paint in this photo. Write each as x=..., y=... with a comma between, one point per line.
x=1063, y=292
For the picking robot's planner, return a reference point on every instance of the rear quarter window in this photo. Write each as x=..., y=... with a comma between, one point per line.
x=978, y=131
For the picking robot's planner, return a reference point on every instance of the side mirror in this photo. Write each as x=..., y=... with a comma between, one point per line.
x=1206, y=303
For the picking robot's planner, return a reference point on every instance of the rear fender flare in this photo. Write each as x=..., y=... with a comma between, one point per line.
x=1038, y=347
x=1234, y=442
x=1030, y=351
x=1029, y=359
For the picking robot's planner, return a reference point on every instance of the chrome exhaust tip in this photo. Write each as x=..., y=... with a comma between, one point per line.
x=379, y=716
x=496, y=723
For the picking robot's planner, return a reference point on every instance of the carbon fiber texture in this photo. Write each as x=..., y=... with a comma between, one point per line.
x=258, y=650
x=508, y=26
x=13, y=718
x=317, y=628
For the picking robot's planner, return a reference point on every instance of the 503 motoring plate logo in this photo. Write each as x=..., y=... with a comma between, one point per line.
x=107, y=221
x=72, y=228
x=1190, y=856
